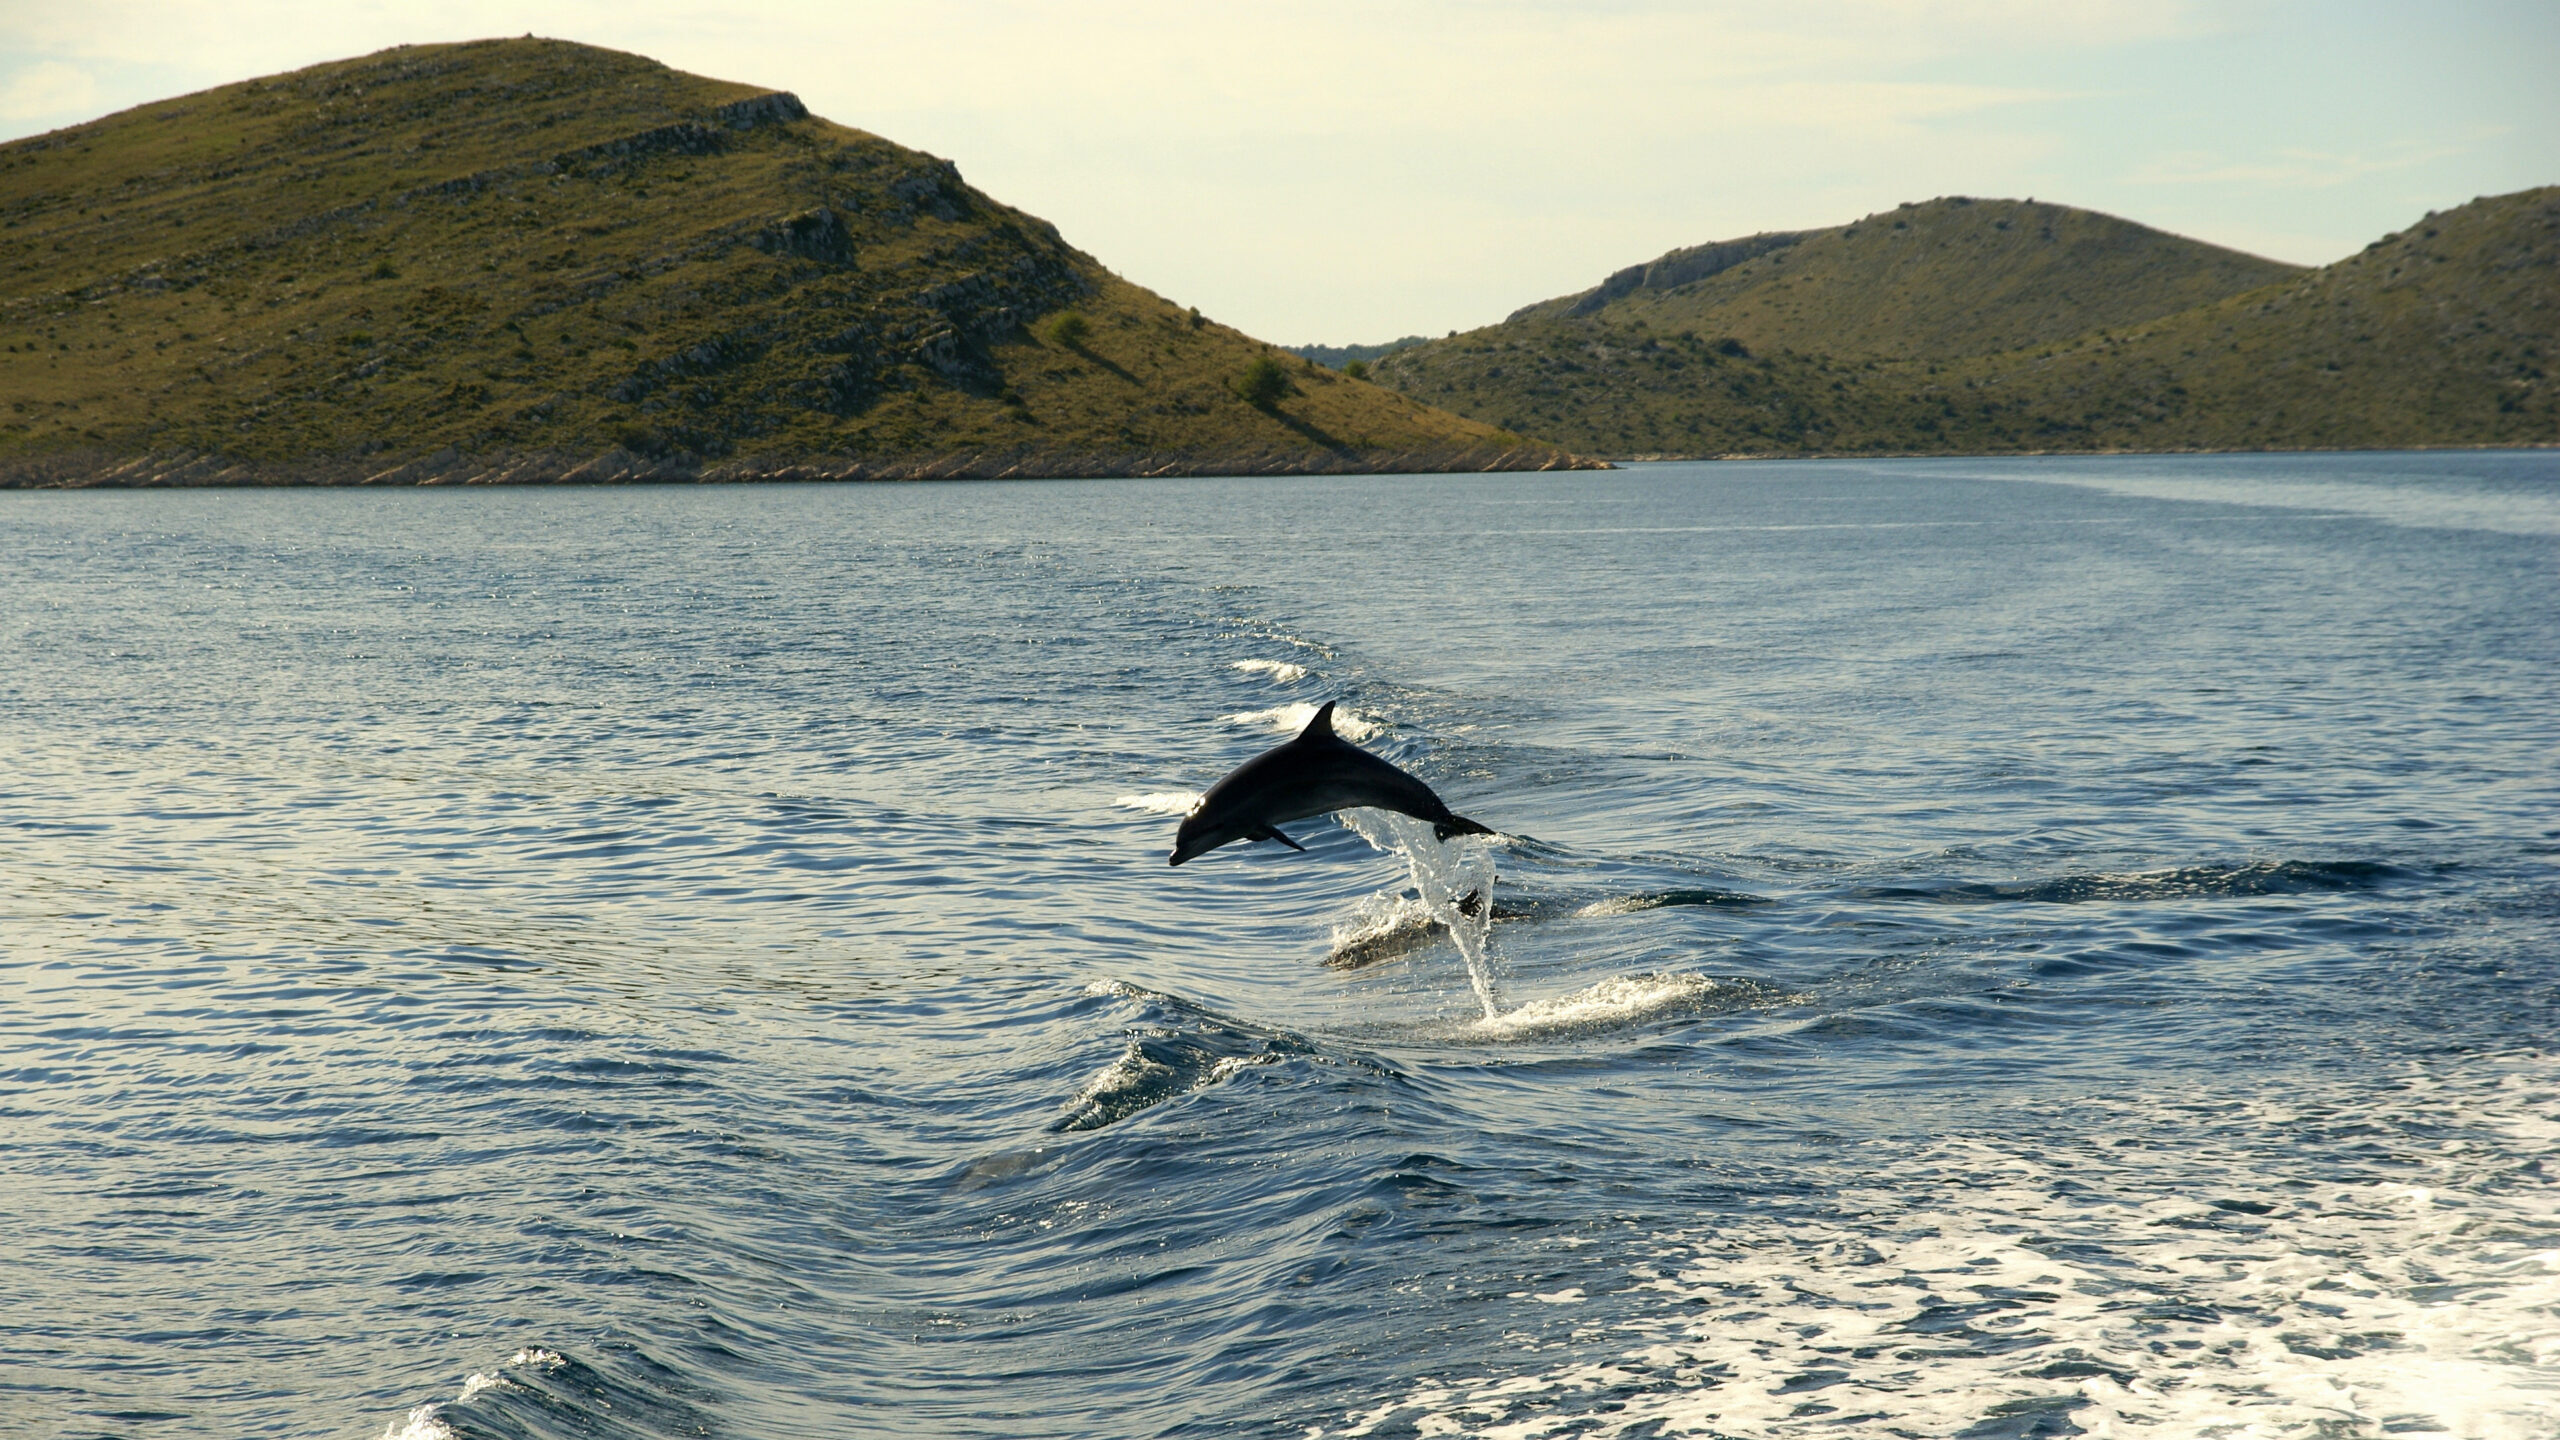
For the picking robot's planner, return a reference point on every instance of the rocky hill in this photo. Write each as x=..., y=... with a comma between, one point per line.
x=1984, y=326
x=532, y=260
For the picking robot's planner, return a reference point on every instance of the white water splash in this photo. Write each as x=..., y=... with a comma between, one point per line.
x=422, y=1424
x=1161, y=802
x=1378, y=926
x=1291, y=718
x=1445, y=873
x=1619, y=1000
x=1281, y=671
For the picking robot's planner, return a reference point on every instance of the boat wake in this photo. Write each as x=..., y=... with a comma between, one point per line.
x=2079, y=1284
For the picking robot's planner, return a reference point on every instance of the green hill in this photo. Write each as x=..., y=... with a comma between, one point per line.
x=1949, y=277
x=531, y=260
x=1985, y=326
x=2436, y=335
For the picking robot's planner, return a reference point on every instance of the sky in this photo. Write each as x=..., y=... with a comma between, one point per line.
x=1339, y=171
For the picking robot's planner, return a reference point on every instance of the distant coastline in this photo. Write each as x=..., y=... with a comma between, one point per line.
x=75, y=470
x=537, y=262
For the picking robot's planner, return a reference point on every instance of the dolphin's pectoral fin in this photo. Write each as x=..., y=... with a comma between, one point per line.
x=1269, y=832
x=1457, y=825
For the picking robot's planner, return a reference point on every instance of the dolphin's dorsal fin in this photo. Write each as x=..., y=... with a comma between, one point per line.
x=1321, y=727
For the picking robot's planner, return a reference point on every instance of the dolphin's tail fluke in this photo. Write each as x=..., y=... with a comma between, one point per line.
x=1458, y=825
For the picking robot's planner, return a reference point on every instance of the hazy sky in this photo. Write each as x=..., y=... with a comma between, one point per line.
x=1342, y=170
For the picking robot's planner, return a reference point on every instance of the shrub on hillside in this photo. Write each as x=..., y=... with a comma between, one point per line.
x=1069, y=330
x=1262, y=383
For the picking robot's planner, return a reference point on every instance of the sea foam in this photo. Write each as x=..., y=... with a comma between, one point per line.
x=1618, y=1001
x=2148, y=1290
x=1291, y=718
x=1161, y=802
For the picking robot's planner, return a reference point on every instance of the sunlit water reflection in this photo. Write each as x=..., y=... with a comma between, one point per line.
x=1972, y=948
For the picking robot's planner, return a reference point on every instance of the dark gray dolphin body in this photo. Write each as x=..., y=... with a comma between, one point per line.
x=1315, y=774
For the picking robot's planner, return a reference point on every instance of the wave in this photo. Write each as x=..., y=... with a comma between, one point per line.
x=1151, y=1070
x=421, y=1424
x=1282, y=671
x=1160, y=802
x=1164, y=1061
x=1615, y=1003
x=426, y=1422
x=1291, y=718
x=1665, y=900
x=2193, y=882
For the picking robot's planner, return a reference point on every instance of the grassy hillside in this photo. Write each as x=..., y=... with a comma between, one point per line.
x=2436, y=336
x=1624, y=391
x=1949, y=277
x=527, y=259
x=1338, y=356
x=2440, y=334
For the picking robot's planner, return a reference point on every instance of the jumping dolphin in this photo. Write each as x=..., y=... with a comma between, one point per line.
x=1315, y=774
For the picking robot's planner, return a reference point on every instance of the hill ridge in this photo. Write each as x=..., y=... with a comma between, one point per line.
x=1670, y=270
x=685, y=136
x=545, y=260
x=1744, y=362
x=1953, y=275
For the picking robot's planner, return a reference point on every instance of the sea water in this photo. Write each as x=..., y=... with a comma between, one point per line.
x=1972, y=948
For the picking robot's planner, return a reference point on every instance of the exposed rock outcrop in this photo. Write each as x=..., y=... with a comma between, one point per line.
x=1675, y=269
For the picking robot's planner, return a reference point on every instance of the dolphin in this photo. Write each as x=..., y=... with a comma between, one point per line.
x=1315, y=774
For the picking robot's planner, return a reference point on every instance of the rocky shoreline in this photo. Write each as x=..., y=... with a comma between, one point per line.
x=77, y=470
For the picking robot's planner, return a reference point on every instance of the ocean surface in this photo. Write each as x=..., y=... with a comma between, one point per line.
x=1975, y=948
